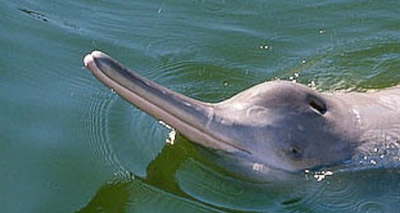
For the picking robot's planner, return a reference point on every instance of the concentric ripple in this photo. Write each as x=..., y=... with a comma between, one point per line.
x=99, y=107
x=333, y=193
x=369, y=206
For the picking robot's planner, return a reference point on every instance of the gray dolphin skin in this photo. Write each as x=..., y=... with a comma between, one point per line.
x=274, y=126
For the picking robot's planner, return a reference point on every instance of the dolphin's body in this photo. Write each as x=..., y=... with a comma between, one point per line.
x=273, y=126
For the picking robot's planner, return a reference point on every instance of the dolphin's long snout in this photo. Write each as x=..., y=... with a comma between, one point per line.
x=190, y=117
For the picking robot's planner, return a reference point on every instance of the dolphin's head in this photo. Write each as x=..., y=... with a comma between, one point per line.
x=277, y=125
x=287, y=126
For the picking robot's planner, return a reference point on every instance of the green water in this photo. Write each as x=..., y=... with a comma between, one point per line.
x=69, y=144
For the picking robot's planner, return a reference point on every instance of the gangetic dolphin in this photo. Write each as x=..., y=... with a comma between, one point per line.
x=273, y=126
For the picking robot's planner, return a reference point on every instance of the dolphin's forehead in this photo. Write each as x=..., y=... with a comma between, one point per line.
x=266, y=108
x=272, y=94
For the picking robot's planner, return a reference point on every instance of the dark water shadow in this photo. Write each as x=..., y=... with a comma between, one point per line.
x=34, y=14
x=158, y=186
x=189, y=183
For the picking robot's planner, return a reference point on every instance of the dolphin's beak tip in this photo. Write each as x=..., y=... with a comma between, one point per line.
x=88, y=60
x=97, y=53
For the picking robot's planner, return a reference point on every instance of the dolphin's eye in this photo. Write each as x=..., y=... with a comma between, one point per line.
x=295, y=152
x=317, y=105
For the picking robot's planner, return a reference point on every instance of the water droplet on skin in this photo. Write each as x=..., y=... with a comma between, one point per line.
x=259, y=167
x=311, y=84
x=171, y=137
x=165, y=124
x=319, y=176
x=294, y=77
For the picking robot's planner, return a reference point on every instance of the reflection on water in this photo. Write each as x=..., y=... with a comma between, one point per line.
x=67, y=143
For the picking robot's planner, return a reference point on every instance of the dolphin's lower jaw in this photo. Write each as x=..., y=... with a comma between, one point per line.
x=186, y=115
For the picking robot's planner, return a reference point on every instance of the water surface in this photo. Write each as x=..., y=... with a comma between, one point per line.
x=69, y=144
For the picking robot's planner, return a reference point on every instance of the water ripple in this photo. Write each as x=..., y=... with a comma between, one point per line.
x=218, y=82
x=369, y=206
x=356, y=65
x=333, y=192
x=98, y=129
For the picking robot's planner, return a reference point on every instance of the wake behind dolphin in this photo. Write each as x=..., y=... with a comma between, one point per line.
x=273, y=126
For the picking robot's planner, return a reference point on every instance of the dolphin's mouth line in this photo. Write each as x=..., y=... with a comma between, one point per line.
x=155, y=109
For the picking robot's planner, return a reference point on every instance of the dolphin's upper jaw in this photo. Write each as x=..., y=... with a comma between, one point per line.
x=188, y=116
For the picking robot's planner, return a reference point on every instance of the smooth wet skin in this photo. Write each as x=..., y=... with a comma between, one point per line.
x=276, y=125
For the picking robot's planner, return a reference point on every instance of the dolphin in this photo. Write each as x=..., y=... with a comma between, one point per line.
x=273, y=126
